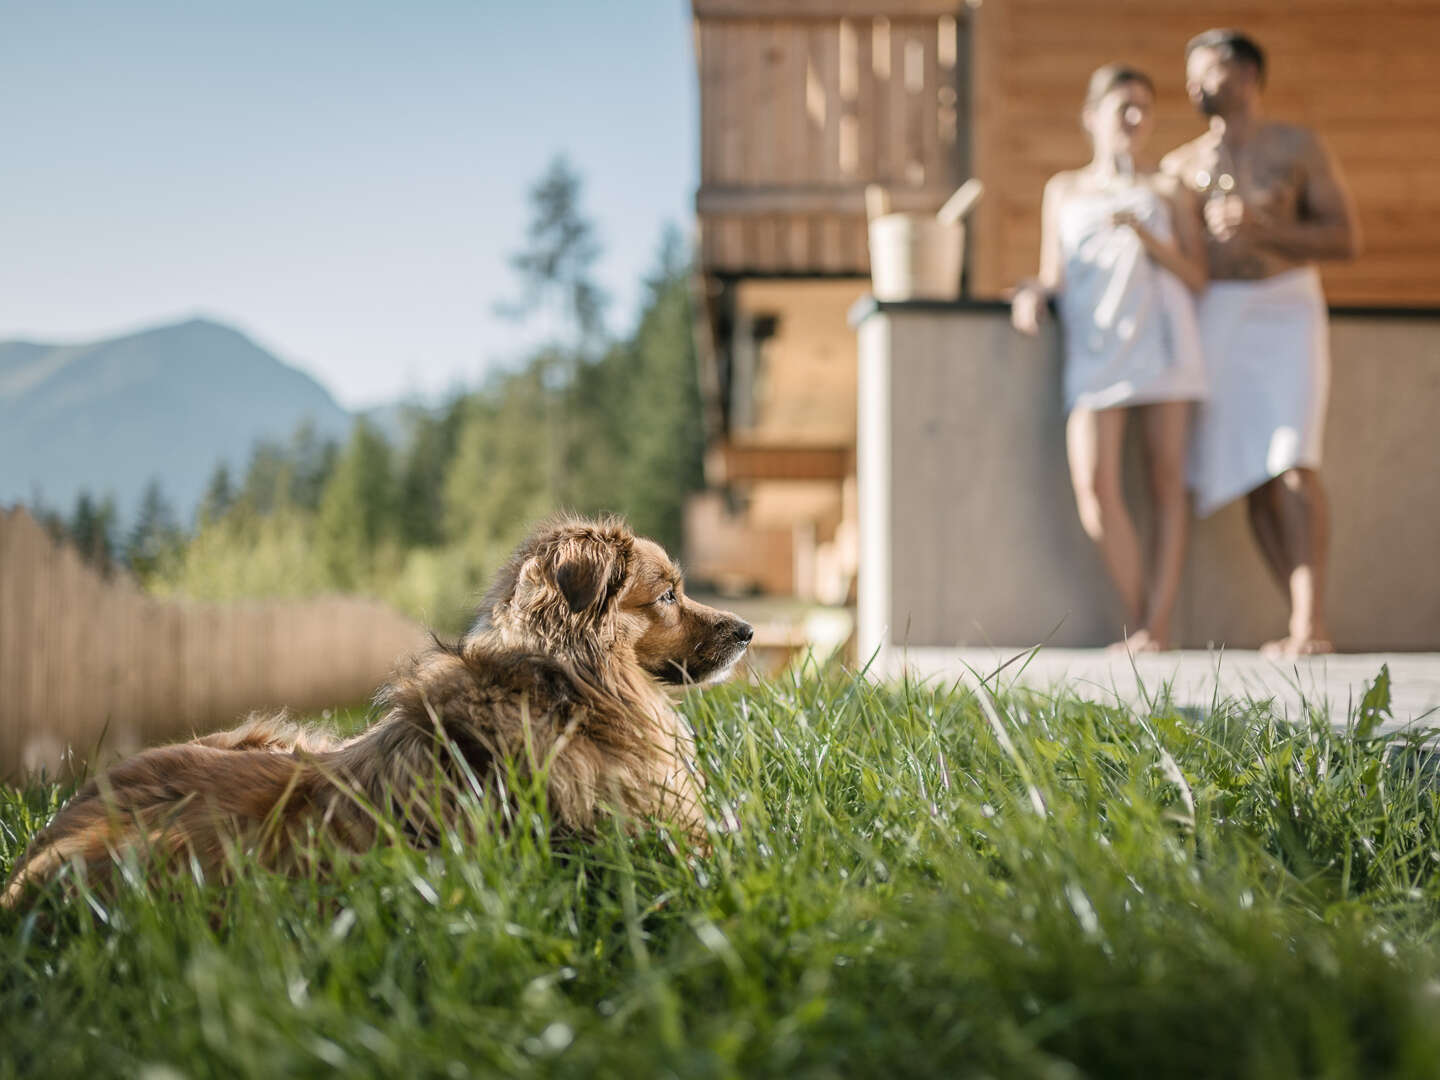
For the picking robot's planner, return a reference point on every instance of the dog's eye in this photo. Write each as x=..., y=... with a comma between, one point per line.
x=668, y=598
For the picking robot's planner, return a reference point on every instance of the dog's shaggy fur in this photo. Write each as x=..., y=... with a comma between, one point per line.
x=560, y=677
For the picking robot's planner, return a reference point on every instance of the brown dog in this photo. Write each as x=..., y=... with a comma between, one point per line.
x=560, y=677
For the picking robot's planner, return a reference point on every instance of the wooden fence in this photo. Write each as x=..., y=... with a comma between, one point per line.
x=91, y=664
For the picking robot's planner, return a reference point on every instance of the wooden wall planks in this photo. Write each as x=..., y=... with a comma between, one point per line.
x=1361, y=72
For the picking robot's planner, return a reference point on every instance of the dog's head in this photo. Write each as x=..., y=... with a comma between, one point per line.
x=580, y=588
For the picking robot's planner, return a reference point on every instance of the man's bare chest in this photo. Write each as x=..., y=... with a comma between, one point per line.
x=1264, y=173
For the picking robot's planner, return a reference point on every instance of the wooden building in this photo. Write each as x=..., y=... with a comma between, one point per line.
x=805, y=102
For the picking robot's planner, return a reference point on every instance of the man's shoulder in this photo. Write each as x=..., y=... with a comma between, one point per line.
x=1282, y=135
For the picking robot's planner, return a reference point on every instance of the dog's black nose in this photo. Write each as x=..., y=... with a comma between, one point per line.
x=743, y=632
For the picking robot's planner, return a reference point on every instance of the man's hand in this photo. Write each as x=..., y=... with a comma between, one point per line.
x=1230, y=216
x=1027, y=308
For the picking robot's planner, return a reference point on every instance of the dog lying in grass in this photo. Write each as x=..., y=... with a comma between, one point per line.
x=562, y=678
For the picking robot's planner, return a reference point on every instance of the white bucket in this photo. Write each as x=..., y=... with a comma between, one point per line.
x=915, y=257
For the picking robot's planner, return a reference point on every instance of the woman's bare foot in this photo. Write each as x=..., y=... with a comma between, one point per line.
x=1142, y=641
x=1310, y=646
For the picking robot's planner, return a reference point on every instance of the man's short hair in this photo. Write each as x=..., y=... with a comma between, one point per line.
x=1236, y=44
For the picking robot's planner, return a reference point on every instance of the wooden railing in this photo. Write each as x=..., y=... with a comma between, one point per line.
x=91, y=665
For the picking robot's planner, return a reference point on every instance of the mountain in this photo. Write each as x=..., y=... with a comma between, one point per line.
x=170, y=402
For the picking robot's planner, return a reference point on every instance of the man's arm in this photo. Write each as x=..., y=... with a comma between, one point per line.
x=1175, y=162
x=1327, y=226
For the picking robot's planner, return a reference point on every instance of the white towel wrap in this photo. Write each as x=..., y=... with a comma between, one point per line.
x=1129, y=324
x=1267, y=352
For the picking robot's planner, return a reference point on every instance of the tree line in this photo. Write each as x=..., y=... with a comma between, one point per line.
x=585, y=423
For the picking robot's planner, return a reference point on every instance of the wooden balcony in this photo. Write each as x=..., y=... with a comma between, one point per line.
x=741, y=463
x=805, y=102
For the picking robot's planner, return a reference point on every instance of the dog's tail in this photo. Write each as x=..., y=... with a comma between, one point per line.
x=191, y=799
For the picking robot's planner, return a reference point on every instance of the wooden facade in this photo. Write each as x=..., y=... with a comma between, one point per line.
x=1361, y=72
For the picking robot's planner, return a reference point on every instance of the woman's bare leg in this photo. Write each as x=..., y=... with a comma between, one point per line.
x=1166, y=426
x=1095, y=440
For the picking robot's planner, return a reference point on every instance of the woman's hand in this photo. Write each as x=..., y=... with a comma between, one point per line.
x=1127, y=219
x=1027, y=308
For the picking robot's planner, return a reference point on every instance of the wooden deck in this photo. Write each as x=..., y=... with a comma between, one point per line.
x=1195, y=678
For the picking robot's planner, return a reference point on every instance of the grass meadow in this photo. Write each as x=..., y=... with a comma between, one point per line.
x=907, y=880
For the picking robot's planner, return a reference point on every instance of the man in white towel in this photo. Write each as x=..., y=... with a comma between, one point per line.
x=1274, y=203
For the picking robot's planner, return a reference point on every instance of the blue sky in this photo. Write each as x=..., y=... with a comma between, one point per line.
x=341, y=180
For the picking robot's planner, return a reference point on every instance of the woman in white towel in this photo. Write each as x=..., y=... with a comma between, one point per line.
x=1122, y=251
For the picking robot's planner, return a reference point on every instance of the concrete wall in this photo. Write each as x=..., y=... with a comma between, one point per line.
x=968, y=527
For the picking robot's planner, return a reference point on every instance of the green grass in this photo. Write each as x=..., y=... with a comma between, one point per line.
x=915, y=881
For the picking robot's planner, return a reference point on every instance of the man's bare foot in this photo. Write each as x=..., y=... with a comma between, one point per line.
x=1293, y=647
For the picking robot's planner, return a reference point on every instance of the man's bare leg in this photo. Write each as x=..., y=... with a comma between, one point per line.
x=1166, y=427
x=1263, y=513
x=1095, y=442
x=1301, y=514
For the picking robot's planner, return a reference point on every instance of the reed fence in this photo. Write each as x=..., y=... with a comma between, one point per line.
x=91, y=666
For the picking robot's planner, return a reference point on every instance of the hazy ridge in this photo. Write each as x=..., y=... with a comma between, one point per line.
x=169, y=402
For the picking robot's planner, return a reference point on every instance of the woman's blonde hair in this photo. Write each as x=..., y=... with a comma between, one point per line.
x=1111, y=76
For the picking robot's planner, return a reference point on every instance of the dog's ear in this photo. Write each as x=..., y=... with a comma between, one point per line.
x=583, y=573
x=581, y=582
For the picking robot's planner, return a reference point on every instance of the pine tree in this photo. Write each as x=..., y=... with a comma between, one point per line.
x=357, y=510
x=497, y=484
x=156, y=535
x=421, y=498
x=557, y=265
x=638, y=443
x=556, y=275
x=92, y=529
x=312, y=459
x=664, y=459
x=218, y=498
x=268, y=478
